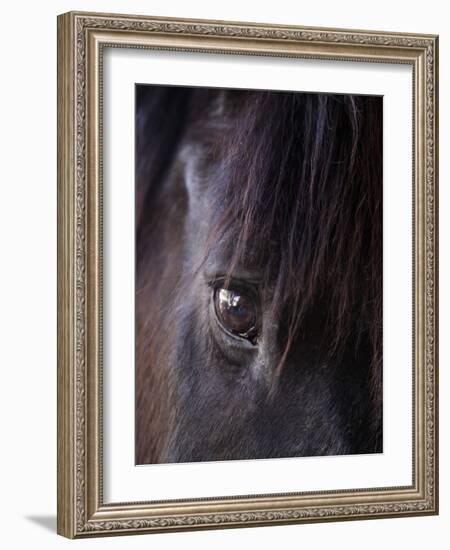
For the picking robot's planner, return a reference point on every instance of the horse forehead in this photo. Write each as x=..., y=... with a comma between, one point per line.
x=204, y=165
x=209, y=183
x=207, y=188
x=190, y=163
x=222, y=256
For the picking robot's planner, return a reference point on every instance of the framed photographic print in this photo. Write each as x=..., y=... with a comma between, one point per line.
x=247, y=274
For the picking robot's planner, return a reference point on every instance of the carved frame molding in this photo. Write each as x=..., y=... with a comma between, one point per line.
x=81, y=38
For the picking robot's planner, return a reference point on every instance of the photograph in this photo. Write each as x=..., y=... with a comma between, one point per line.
x=259, y=268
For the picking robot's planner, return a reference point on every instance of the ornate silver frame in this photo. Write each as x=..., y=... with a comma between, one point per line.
x=81, y=39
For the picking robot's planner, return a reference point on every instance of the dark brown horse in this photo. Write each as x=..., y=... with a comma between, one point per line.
x=259, y=274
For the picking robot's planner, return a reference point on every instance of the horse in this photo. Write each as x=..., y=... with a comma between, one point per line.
x=258, y=274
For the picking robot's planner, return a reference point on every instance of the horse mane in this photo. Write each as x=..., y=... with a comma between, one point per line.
x=299, y=187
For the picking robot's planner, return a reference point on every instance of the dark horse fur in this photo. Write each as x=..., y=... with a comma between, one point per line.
x=280, y=192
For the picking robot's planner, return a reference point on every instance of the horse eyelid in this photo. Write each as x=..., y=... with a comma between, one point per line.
x=233, y=283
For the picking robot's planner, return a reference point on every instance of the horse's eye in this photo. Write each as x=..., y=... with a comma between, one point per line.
x=236, y=312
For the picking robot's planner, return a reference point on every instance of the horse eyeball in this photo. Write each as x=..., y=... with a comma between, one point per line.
x=236, y=312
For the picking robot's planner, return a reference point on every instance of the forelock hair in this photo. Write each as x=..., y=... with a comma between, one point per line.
x=301, y=190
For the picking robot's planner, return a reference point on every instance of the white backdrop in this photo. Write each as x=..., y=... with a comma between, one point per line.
x=28, y=274
x=123, y=481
